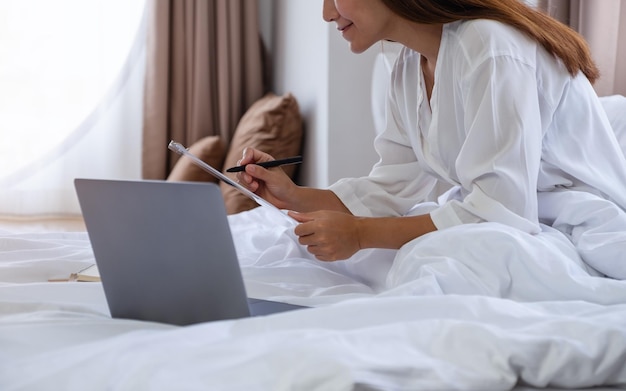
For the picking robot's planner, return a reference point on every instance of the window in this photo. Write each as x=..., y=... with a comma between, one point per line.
x=57, y=61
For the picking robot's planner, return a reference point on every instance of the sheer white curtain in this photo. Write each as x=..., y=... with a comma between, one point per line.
x=62, y=127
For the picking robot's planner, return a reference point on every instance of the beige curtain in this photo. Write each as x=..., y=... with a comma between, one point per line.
x=603, y=24
x=204, y=69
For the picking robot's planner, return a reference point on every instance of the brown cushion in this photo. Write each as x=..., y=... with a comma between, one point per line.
x=273, y=125
x=208, y=149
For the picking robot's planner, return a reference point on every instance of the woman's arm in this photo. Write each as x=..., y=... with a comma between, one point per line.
x=332, y=236
x=307, y=199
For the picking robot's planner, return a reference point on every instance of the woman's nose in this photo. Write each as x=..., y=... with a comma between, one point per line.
x=329, y=12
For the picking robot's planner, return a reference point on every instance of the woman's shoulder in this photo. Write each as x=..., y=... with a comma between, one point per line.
x=483, y=29
x=489, y=37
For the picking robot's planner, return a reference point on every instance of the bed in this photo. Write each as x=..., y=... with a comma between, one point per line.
x=430, y=316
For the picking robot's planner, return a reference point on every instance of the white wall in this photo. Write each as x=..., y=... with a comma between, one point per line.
x=332, y=85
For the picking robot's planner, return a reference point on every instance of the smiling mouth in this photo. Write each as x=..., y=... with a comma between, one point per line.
x=344, y=28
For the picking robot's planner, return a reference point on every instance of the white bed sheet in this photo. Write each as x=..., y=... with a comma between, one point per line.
x=475, y=317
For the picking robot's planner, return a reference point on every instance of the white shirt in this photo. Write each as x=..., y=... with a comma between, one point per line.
x=505, y=121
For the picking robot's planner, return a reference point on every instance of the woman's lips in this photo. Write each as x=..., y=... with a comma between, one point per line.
x=344, y=28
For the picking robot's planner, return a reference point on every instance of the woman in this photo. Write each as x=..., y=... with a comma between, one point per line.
x=489, y=96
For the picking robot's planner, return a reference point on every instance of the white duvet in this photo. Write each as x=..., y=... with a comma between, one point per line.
x=485, y=316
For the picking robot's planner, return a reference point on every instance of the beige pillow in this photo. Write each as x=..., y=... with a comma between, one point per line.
x=208, y=149
x=273, y=125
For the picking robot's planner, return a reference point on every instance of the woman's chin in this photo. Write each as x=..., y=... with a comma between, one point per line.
x=358, y=48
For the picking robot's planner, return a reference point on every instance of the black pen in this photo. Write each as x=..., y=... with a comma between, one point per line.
x=270, y=164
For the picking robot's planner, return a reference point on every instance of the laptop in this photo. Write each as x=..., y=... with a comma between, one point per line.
x=165, y=252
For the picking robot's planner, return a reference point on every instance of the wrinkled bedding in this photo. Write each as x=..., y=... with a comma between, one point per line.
x=470, y=308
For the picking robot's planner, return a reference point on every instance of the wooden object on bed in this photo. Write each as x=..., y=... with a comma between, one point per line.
x=88, y=274
x=85, y=274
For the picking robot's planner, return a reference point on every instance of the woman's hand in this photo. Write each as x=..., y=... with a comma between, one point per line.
x=330, y=236
x=271, y=184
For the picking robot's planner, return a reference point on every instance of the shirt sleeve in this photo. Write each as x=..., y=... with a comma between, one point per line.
x=499, y=161
x=396, y=183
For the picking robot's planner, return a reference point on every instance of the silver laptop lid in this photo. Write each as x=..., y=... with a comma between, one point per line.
x=164, y=250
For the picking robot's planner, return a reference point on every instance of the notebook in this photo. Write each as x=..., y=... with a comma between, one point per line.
x=165, y=252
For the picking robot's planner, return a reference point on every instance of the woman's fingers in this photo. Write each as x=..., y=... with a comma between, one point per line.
x=327, y=235
x=253, y=175
x=252, y=155
x=300, y=217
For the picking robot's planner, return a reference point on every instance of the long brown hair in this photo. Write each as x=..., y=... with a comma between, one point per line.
x=558, y=39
